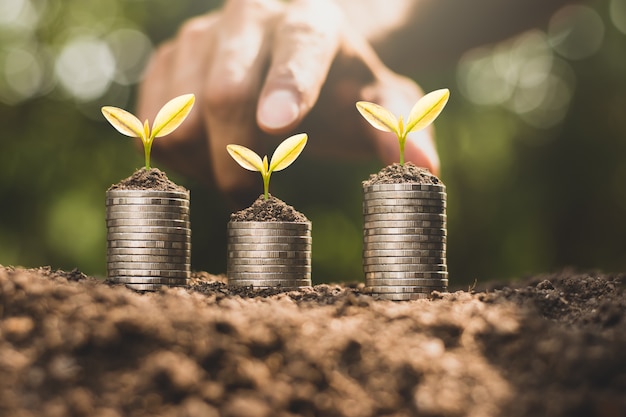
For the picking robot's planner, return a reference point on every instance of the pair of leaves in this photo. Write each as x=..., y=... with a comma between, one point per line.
x=169, y=117
x=423, y=113
x=283, y=156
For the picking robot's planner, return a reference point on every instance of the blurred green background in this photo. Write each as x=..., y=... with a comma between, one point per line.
x=532, y=143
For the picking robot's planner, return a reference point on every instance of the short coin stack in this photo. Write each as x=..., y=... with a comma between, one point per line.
x=404, y=240
x=148, y=238
x=269, y=254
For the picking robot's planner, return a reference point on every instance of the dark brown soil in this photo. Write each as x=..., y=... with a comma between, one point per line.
x=143, y=179
x=398, y=174
x=270, y=210
x=71, y=345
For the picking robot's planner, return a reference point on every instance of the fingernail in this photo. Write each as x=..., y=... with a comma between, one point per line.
x=278, y=109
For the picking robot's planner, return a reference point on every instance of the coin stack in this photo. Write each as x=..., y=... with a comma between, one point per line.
x=404, y=240
x=269, y=254
x=148, y=238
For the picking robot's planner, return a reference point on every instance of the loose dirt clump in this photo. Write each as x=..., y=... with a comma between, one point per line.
x=270, y=210
x=143, y=179
x=72, y=345
x=400, y=174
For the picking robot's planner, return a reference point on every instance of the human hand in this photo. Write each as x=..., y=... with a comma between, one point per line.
x=264, y=69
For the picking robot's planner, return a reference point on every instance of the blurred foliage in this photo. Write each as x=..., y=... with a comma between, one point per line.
x=522, y=199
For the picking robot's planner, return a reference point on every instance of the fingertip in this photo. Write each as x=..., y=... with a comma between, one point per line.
x=278, y=110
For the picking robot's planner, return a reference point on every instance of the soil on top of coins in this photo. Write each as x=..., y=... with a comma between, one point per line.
x=147, y=179
x=399, y=174
x=73, y=345
x=270, y=210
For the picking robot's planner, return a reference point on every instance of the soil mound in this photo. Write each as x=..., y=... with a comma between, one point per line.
x=147, y=179
x=399, y=174
x=270, y=210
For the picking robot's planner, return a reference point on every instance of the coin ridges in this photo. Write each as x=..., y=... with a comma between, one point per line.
x=405, y=268
x=404, y=187
x=373, y=282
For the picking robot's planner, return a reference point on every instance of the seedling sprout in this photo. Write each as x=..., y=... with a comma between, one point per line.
x=423, y=113
x=171, y=115
x=283, y=156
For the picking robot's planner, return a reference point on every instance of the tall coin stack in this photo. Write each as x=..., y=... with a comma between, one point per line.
x=269, y=254
x=148, y=238
x=404, y=240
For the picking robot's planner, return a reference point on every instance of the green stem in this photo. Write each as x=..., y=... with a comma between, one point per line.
x=266, y=185
x=146, y=150
x=402, y=143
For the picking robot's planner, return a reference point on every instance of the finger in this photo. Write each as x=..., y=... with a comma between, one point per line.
x=233, y=83
x=305, y=43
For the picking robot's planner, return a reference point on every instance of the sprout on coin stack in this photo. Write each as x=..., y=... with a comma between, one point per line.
x=269, y=243
x=147, y=215
x=404, y=212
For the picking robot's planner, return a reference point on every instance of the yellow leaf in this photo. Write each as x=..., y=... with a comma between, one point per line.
x=123, y=121
x=172, y=114
x=378, y=116
x=287, y=152
x=426, y=110
x=245, y=157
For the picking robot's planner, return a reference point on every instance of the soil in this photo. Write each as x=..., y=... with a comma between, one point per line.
x=270, y=210
x=72, y=345
x=399, y=174
x=147, y=179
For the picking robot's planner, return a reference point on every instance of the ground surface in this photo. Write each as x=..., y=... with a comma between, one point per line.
x=74, y=346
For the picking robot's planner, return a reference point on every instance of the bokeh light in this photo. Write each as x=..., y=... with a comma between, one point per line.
x=576, y=32
x=617, y=9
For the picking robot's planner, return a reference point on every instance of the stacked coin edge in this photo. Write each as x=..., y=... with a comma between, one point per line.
x=148, y=238
x=404, y=240
x=270, y=254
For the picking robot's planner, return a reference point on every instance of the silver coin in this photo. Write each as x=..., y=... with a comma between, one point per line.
x=151, y=287
x=169, y=237
x=439, y=246
x=267, y=232
x=302, y=226
x=289, y=269
x=404, y=187
x=404, y=194
x=403, y=290
x=151, y=280
x=149, y=244
x=143, y=201
x=161, y=266
x=409, y=275
x=266, y=246
x=405, y=238
x=154, y=208
x=268, y=261
x=148, y=252
x=405, y=231
x=441, y=224
x=283, y=254
x=404, y=253
x=147, y=193
x=403, y=260
x=267, y=276
x=148, y=258
x=405, y=268
x=269, y=240
x=401, y=296
x=148, y=222
x=410, y=245
x=148, y=273
x=374, y=282
x=401, y=202
x=270, y=283
x=404, y=217
x=412, y=209
x=150, y=229
x=141, y=215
